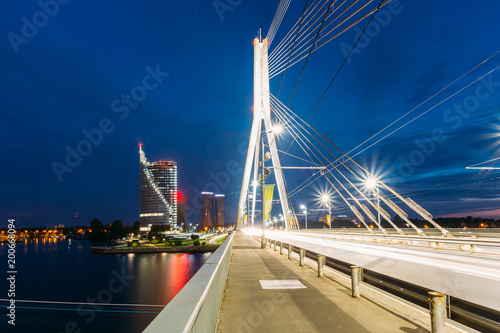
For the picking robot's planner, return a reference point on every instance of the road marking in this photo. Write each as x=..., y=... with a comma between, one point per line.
x=281, y=284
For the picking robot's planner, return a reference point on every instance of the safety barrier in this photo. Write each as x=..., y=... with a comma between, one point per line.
x=441, y=306
x=196, y=307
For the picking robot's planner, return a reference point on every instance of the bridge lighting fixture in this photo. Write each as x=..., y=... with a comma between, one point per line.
x=304, y=208
x=325, y=198
x=371, y=182
x=277, y=129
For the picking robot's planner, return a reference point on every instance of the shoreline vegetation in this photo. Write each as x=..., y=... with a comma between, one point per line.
x=168, y=246
x=151, y=249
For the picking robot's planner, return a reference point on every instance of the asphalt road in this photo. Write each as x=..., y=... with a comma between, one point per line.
x=468, y=276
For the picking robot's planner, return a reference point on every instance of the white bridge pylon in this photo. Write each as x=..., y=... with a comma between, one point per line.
x=262, y=113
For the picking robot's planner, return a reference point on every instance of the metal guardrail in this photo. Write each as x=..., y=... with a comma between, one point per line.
x=469, y=314
x=196, y=307
x=489, y=245
x=460, y=231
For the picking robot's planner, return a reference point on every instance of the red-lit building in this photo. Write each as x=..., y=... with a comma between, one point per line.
x=181, y=211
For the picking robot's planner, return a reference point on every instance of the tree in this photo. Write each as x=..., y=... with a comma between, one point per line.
x=157, y=231
x=398, y=220
x=117, y=230
x=136, y=228
x=98, y=231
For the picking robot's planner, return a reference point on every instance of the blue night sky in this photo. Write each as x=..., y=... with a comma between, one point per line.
x=68, y=77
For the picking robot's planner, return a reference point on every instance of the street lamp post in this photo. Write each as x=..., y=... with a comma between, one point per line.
x=305, y=213
x=248, y=207
x=276, y=129
x=329, y=215
x=372, y=183
x=251, y=217
x=326, y=200
x=378, y=209
x=262, y=192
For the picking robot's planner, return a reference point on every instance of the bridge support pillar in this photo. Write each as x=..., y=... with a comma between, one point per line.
x=355, y=278
x=302, y=254
x=275, y=245
x=437, y=304
x=281, y=248
x=290, y=251
x=262, y=115
x=321, y=263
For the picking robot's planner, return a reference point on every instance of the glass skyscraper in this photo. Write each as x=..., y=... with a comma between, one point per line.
x=158, y=194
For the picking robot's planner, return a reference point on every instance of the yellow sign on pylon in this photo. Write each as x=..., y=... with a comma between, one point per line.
x=269, y=191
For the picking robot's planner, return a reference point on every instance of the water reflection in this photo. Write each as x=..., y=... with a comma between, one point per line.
x=55, y=270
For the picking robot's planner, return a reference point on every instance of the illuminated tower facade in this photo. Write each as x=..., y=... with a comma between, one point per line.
x=207, y=210
x=158, y=192
x=219, y=210
x=182, y=211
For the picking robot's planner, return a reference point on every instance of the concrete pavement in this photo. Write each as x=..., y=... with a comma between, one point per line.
x=325, y=305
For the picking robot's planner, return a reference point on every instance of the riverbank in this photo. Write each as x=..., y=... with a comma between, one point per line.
x=131, y=279
x=151, y=249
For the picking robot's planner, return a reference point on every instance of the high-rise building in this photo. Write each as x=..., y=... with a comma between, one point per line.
x=182, y=211
x=158, y=193
x=207, y=209
x=219, y=210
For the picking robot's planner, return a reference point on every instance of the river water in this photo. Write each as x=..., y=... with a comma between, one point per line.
x=51, y=275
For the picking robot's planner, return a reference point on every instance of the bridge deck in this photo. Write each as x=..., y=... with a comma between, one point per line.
x=325, y=305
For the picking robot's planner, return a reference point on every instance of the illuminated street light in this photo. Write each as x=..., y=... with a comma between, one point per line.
x=325, y=199
x=305, y=212
x=277, y=129
x=372, y=183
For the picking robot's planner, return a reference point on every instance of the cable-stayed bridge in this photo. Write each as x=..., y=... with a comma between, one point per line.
x=348, y=280
x=320, y=23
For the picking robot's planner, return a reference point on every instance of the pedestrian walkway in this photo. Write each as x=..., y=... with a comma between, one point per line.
x=316, y=304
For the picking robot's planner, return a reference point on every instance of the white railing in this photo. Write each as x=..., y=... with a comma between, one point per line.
x=196, y=307
x=489, y=245
x=460, y=231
